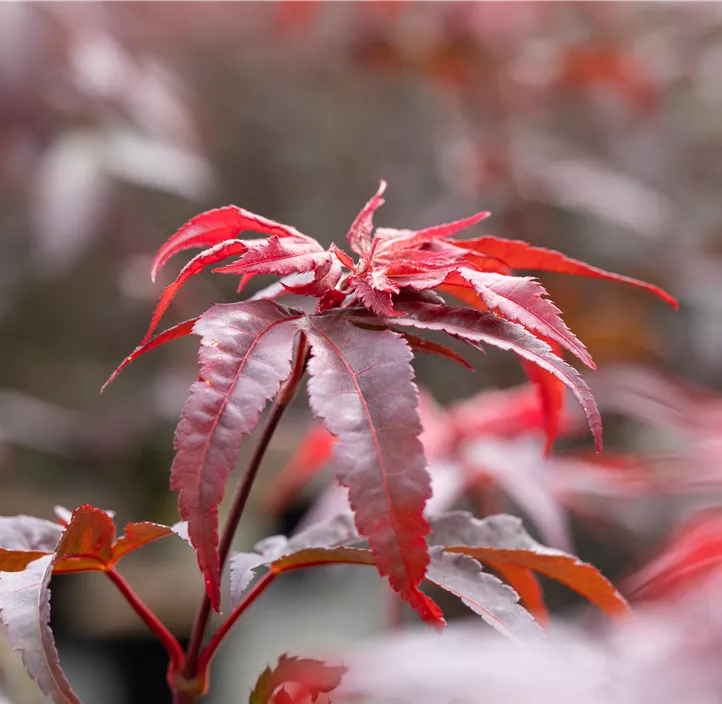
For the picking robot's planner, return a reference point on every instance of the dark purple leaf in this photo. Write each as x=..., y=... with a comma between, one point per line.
x=361, y=385
x=245, y=355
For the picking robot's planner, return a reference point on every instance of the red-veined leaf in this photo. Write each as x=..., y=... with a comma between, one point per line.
x=483, y=593
x=502, y=539
x=313, y=676
x=180, y=330
x=417, y=277
x=361, y=385
x=477, y=327
x=245, y=355
x=359, y=234
x=326, y=275
x=311, y=455
x=25, y=616
x=376, y=301
x=518, y=254
x=394, y=241
x=692, y=553
x=215, y=226
x=279, y=255
x=207, y=258
x=282, y=287
x=343, y=258
x=521, y=300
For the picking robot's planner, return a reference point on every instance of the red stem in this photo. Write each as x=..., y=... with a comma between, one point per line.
x=175, y=652
x=222, y=632
x=243, y=490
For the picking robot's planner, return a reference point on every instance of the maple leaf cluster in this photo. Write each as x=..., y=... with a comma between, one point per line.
x=360, y=351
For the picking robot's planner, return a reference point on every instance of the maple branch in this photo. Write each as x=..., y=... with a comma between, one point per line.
x=243, y=490
x=172, y=646
x=222, y=632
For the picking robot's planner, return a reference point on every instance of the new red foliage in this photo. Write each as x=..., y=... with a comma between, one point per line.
x=361, y=387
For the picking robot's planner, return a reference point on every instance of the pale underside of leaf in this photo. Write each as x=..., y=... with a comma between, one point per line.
x=502, y=539
x=483, y=593
x=25, y=616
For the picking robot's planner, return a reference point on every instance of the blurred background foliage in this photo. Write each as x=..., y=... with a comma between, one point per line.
x=593, y=128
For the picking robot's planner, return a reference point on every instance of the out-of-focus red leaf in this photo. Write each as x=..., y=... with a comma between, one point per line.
x=312, y=676
x=501, y=413
x=502, y=539
x=483, y=593
x=521, y=300
x=551, y=395
x=524, y=582
x=520, y=471
x=215, y=226
x=588, y=66
x=361, y=385
x=359, y=234
x=245, y=355
x=180, y=330
x=692, y=553
x=520, y=255
x=419, y=344
x=25, y=616
x=311, y=455
x=477, y=327
x=195, y=266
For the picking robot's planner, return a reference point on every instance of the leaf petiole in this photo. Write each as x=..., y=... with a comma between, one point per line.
x=172, y=646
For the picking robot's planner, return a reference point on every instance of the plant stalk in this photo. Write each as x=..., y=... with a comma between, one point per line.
x=222, y=632
x=172, y=646
x=243, y=490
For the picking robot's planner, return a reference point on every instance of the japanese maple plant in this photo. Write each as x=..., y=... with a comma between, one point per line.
x=355, y=344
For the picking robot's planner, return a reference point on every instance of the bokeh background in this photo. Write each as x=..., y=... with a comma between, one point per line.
x=592, y=128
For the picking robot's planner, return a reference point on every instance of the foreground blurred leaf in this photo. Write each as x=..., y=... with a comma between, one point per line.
x=502, y=539
x=311, y=676
x=25, y=616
